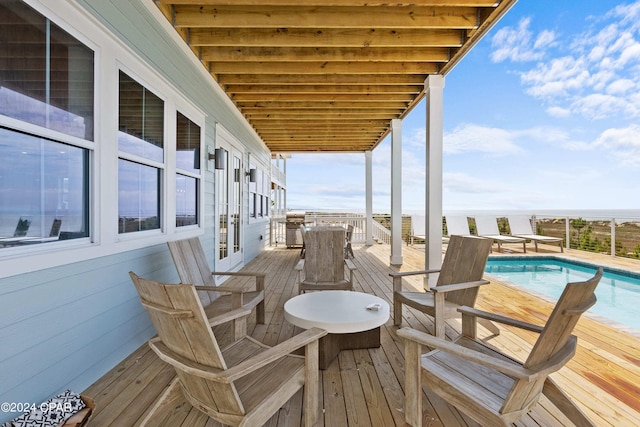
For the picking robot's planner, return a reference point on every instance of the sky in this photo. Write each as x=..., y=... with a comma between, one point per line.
x=543, y=114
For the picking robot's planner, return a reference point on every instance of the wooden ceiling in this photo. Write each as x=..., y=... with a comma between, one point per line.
x=328, y=75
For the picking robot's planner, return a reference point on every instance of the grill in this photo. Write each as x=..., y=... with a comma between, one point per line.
x=293, y=222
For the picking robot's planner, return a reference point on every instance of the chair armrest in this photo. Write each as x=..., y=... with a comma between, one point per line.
x=274, y=353
x=238, y=273
x=350, y=265
x=239, y=289
x=246, y=287
x=412, y=273
x=397, y=277
x=247, y=366
x=459, y=286
x=474, y=312
x=512, y=369
x=229, y=315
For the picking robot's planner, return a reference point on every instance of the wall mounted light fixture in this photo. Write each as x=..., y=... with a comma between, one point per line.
x=219, y=157
x=252, y=174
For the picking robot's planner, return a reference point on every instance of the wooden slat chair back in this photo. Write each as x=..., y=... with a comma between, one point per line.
x=222, y=303
x=487, y=385
x=325, y=255
x=464, y=261
x=555, y=340
x=183, y=328
x=191, y=263
x=323, y=267
x=457, y=285
x=243, y=384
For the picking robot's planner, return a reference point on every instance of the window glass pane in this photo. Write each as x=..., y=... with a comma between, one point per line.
x=140, y=121
x=187, y=145
x=43, y=190
x=186, y=200
x=46, y=75
x=223, y=206
x=237, y=204
x=138, y=197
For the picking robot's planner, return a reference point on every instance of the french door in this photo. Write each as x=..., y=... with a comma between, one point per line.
x=229, y=209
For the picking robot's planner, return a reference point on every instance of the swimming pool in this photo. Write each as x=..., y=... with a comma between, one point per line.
x=618, y=292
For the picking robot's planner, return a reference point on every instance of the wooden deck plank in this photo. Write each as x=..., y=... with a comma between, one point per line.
x=354, y=395
x=335, y=412
x=366, y=387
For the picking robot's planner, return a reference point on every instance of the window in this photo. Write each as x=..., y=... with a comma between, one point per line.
x=259, y=195
x=138, y=197
x=46, y=75
x=188, y=171
x=47, y=80
x=141, y=147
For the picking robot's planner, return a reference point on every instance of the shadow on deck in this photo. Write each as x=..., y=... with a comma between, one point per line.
x=365, y=387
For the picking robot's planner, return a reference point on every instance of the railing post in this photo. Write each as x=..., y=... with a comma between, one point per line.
x=568, y=233
x=613, y=237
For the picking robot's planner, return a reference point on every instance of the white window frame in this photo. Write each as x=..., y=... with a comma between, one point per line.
x=110, y=55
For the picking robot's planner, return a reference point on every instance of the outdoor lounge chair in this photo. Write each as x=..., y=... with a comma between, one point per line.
x=323, y=267
x=487, y=226
x=243, y=384
x=457, y=225
x=484, y=383
x=418, y=231
x=458, y=283
x=521, y=227
x=193, y=268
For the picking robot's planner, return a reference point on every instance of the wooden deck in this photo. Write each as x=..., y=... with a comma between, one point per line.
x=365, y=387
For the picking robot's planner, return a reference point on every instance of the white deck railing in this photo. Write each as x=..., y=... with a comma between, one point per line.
x=379, y=233
x=614, y=236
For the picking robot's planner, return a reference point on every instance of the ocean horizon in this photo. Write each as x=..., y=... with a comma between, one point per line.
x=594, y=214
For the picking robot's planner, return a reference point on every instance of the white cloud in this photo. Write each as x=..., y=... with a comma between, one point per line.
x=623, y=144
x=601, y=106
x=556, y=78
x=629, y=14
x=558, y=112
x=518, y=44
x=464, y=183
x=545, y=39
x=620, y=86
x=594, y=74
x=475, y=138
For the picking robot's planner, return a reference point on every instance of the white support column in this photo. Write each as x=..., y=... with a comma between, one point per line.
x=396, y=192
x=368, y=156
x=434, y=89
x=284, y=199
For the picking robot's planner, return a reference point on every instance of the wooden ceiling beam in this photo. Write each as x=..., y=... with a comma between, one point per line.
x=325, y=17
x=319, y=122
x=335, y=54
x=351, y=3
x=301, y=68
x=287, y=105
x=351, y=148
x=322, y=79
x=311, y=89
x=272, y=133
x=326, y=37
x=362, y=136
x=322, y=97
x=322, y=114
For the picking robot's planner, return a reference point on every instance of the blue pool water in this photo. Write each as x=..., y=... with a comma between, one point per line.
x=618, y=292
